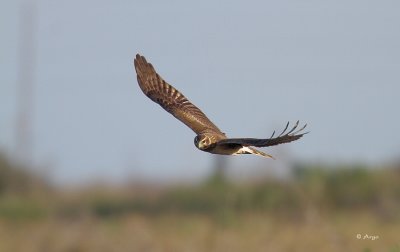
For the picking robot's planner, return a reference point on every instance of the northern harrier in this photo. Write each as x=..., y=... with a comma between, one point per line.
x=209, y=138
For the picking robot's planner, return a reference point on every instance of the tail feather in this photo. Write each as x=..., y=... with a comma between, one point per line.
x=250, y=150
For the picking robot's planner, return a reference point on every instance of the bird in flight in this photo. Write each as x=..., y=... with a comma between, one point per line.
x=209, y=137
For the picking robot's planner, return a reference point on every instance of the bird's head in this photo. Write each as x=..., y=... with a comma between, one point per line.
x=203, y=142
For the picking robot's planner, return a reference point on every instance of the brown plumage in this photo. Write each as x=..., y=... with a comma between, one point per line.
x=209, y=138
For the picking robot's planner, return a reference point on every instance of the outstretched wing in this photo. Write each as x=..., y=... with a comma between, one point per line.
x=290, y=136
x=158, y=90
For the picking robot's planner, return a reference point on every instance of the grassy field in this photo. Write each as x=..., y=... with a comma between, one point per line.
x=179, y=232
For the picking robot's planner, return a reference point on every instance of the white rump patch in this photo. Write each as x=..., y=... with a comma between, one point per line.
x=246, y=149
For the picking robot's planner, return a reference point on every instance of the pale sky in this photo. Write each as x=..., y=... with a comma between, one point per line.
x=251, y=66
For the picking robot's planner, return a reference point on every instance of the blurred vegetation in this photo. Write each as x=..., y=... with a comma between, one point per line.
x=334, y=202
x=27, y=195
x=330, y=189
x=18, y=180
x=23, y=194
